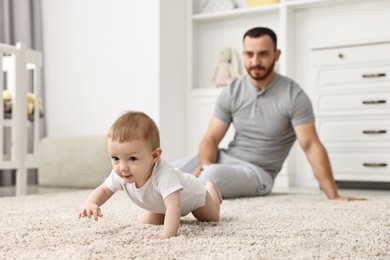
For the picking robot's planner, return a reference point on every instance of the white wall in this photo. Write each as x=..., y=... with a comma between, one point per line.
x=101, y=58
x=173, y=78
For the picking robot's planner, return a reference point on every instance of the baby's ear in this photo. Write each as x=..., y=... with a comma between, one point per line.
x=156, y=154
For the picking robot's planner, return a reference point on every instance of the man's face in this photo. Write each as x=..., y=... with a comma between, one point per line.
x=260, y=57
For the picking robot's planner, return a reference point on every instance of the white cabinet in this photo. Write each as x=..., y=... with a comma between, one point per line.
x=351, y=98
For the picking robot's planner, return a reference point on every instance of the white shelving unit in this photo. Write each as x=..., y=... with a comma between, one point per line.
x=210, y=32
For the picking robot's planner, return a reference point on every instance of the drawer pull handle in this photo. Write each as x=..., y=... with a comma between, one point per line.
x=371, y=102
x=375, y=164
x=374, y=75
x=374, y=132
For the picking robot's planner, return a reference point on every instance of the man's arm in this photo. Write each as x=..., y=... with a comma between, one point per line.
x=208, y=149
x=319, y=160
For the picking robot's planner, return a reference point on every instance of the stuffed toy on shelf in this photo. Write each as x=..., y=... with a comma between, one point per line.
x=228, y=68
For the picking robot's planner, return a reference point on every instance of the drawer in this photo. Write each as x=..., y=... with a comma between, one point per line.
x=366, y=103
x=365, y=130
x=350, y=54
x=364, y=76
x=361, y=166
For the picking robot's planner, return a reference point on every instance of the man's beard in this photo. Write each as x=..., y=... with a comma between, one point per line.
x=265, y=72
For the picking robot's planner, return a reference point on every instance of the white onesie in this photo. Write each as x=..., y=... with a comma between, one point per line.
x=164, y=180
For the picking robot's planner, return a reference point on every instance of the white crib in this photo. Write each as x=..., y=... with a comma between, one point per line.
x=20, y=68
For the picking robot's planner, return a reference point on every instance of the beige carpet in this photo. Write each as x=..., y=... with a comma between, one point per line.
x=280, y=226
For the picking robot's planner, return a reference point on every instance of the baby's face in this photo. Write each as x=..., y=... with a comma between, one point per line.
x=133, y=161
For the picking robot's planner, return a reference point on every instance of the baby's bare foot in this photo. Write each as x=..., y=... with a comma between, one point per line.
x=213, y=190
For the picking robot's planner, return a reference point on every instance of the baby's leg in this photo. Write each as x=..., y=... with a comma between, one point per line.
x=214, y=193
x=153, y=218
x=210, y=211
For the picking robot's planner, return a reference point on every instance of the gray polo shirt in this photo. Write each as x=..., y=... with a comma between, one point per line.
x=264, y=120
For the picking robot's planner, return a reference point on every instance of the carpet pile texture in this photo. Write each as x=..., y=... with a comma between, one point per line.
x=279, y=226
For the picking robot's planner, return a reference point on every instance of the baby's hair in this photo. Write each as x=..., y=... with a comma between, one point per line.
x=134, y=125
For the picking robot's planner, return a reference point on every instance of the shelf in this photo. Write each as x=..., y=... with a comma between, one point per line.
x=303, y=3
x=310, y=3
x=215, y=16
x=245, y=11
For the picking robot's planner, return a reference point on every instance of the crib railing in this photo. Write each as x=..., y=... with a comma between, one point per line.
x=19, y=68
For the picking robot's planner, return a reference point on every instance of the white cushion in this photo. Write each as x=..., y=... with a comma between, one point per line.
x=75, y=162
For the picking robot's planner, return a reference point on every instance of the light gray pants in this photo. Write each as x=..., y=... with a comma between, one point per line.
x=233, y=177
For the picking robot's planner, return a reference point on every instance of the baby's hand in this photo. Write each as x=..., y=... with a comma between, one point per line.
x=91, y=210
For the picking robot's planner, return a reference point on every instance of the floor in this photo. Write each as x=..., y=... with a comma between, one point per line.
x=35, y=189
x=355, y=192
x=32, y=189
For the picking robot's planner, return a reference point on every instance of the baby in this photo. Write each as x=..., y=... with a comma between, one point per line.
x=165, y=193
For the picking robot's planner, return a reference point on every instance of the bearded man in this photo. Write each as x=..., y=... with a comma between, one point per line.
x=269, y=112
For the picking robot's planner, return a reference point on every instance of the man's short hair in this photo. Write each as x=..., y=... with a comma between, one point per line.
x=261, y=31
